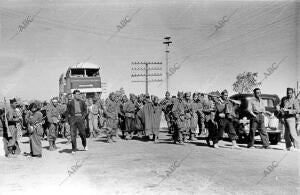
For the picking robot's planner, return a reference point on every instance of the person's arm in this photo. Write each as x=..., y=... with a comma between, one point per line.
x=84, y=109
x=295, y=108
x=68, y=113
x=250, y=108
x=175, y=111
x=49, y=115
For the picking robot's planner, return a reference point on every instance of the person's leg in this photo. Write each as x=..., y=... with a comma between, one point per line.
x=287, y=135
x=291, y=123
x=194, y=123
x=73, y=128
x=262, y=131
x=67, y=132
x=210, y=132
x=55, y=135
x=253, y=127
x=36, y=145
x=220, y=132
x=213, y=132
x=31, y=144
x=91, y=128
x=96, y=129
x=51, y=135
x=82, y=132
x=16, y=147
x=180, y=136
x=127, y=127
x=232, y=134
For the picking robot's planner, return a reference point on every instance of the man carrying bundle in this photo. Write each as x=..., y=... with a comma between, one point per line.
x=111, y=114
x=35, y=130
x=224, y=116
x=53, y=116
x=129, y=110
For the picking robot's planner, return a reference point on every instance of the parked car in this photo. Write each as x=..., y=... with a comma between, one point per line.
x=273, y=125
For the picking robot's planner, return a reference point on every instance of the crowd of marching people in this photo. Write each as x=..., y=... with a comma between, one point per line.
x=136, y=117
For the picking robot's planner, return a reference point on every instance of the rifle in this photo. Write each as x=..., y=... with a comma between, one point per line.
x=36, y=125
x=5, y=118
x=217, y=96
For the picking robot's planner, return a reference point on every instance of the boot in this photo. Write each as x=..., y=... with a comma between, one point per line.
x=184, y=139
x=234, y=145
x=192, y=137
x=51, y=146
x=54, y=146
x=216, y=145
x=180, y=138
x=109, y=140
x=207, y=142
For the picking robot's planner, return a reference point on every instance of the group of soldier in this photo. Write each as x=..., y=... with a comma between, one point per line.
x=187, y=116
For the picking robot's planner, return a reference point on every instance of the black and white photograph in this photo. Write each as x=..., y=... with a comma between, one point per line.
x=149, y=97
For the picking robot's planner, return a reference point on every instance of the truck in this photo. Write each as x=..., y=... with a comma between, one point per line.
x=83, y=76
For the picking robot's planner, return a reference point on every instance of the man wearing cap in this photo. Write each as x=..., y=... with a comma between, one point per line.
x=224, y=116
x=129, y=111
x=166, y=102
x=35, y=130
x=76, y=114
x=209, y=110
x=111, y=113
x=189, y=116
x=257, y=110
x=178, y=112
x=201, y=115
x=93, y=116
x=53, y=117
x=157, y=110
x=289, y=107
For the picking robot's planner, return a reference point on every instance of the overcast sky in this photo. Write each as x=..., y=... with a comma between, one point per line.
x=256, y=34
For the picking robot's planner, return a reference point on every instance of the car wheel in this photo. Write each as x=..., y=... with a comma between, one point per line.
x=274, y=138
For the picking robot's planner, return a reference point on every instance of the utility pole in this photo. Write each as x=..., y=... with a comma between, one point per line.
x=147, y=71
x=167, y=42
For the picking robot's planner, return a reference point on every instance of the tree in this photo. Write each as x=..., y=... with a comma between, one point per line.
x=245, y=82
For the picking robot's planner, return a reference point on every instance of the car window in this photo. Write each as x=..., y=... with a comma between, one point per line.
x=268, y=102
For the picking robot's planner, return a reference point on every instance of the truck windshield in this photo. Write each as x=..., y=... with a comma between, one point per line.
x=77, y=72
x=92, y=72
x=81, y=72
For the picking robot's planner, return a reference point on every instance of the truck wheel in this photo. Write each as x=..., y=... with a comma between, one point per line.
x=274, y=138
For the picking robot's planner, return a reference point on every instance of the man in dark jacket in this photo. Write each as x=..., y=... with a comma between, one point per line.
x=76, y=114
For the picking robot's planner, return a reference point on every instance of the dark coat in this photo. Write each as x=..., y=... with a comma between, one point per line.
x=70, y=112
